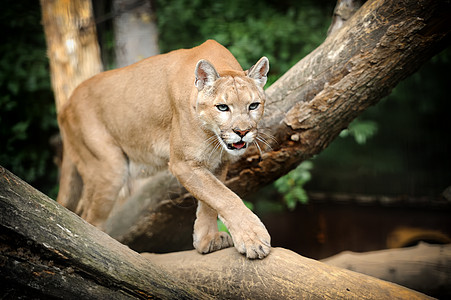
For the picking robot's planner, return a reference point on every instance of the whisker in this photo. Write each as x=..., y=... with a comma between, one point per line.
x=217, y=145
x=258, y=147
x=261, y=139
x=270, y=136
x=210, y=140
x=222, y=150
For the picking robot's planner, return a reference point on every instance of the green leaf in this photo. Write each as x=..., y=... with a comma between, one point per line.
x=291, y=185
x=361, y=130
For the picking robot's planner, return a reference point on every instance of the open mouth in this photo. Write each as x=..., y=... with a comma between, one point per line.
x=237, y=146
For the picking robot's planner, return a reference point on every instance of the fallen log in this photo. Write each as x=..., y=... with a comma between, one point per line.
x=46, y=251
x=425, y=267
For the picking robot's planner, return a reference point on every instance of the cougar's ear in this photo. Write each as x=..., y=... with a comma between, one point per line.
x=205, y=73
x=259, y=71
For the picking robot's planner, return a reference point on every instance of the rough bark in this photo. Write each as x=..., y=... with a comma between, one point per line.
x=46, y=251
x=72, y=45
x=425, y=268
x=383, y=43
x=135, y=31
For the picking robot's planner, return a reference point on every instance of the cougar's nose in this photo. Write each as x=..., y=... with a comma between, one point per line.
x=241, y=133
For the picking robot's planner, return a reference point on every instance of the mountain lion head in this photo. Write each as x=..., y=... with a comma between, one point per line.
x=230, y=105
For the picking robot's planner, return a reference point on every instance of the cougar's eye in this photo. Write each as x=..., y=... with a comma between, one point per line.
x=254, y=106
x=222, y=107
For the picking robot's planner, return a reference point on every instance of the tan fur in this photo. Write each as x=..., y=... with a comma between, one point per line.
x=121, y=126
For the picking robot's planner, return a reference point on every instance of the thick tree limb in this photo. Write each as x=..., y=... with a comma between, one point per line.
x=47, y=251
x=383, y=43
x=425, y=268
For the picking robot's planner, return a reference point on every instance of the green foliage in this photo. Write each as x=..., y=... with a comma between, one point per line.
x=27, y=108
x=361, y=130
x=291, y=186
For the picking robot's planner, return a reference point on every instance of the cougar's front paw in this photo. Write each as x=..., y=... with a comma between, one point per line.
x=212, y=242
x=252, y=239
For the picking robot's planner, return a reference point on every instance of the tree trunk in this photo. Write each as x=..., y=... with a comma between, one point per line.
x=425, y=268
x=135, y=31
x=47, y=251
x=72, y=45
x=383, y=43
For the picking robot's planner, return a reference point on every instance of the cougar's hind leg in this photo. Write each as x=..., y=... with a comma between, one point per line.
x=103, y=178
x=70, y=185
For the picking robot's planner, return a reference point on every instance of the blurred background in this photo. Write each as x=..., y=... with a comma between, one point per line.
x=385, y=182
